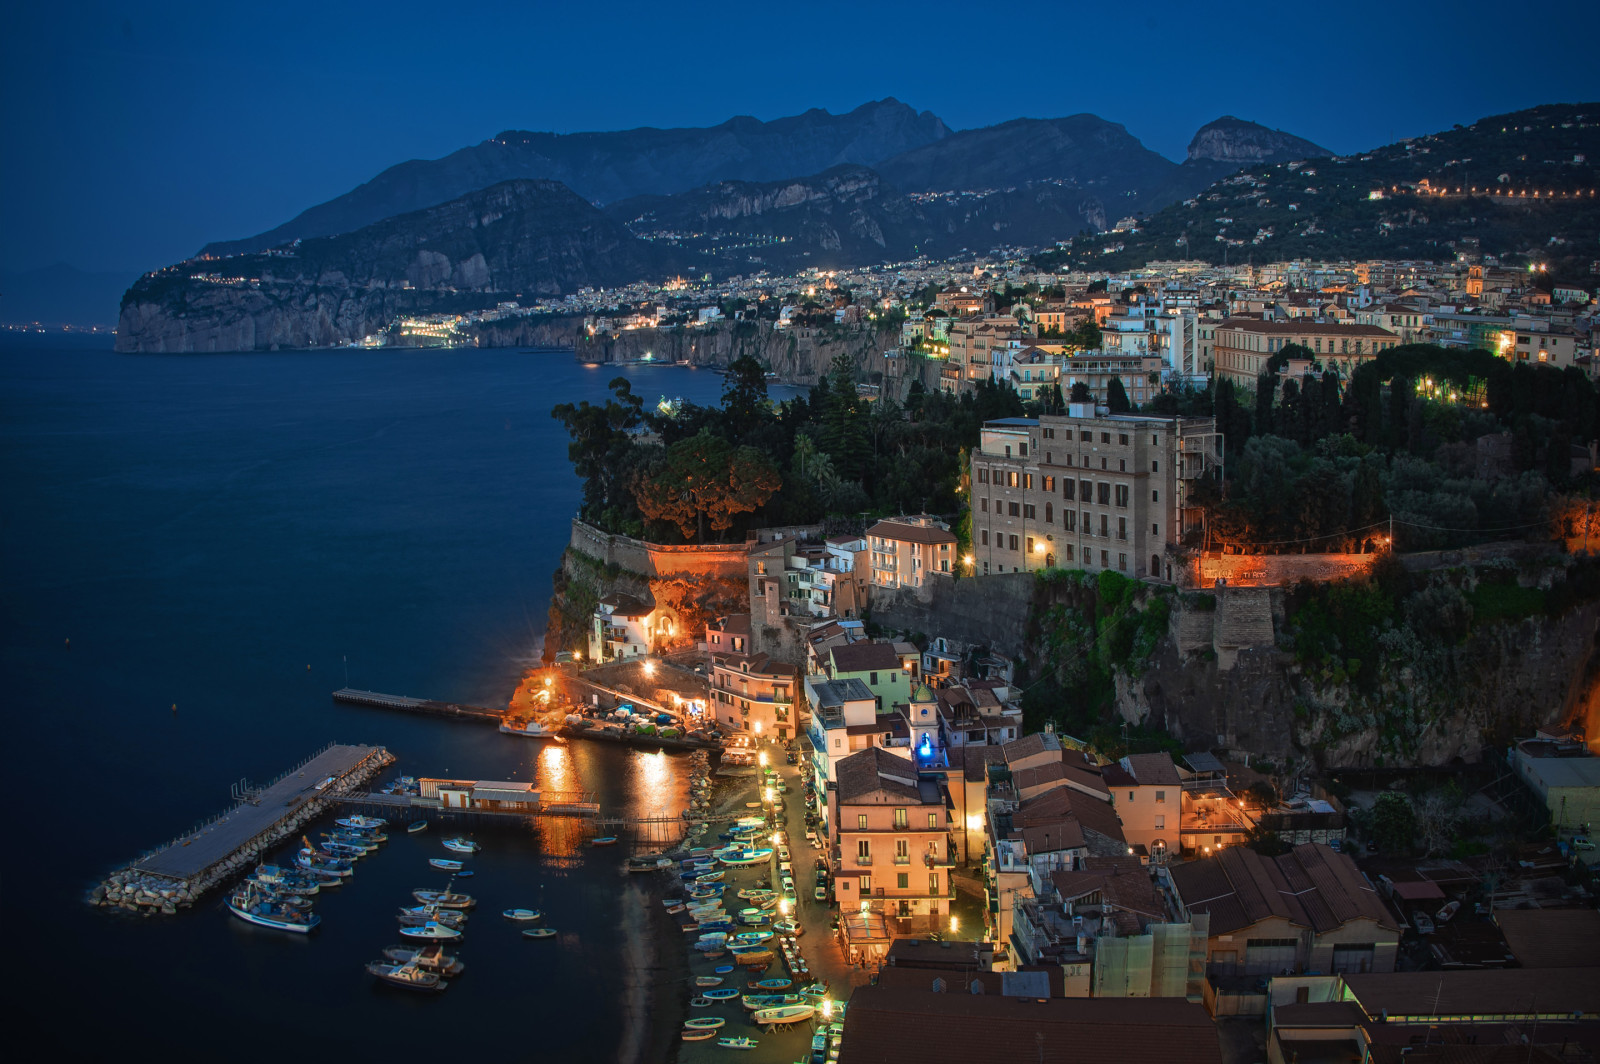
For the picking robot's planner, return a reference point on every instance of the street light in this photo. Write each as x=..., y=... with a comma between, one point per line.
x=762, y=756
x=955, y=924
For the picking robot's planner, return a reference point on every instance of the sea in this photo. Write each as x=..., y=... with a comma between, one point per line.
x=195, y=550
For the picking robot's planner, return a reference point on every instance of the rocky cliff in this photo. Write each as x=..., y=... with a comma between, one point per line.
x=1235, y=140
x=514, y=240
x=602, y=167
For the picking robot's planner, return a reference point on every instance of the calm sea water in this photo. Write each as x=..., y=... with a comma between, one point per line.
x=229, y=533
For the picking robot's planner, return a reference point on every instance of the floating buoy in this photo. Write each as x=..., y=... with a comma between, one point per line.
x=174, y=707
x=69, y=644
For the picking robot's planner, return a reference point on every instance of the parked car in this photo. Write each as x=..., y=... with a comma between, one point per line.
x=821, y=894
x=1581, y=842
x=1420, y=921
x=792, y=758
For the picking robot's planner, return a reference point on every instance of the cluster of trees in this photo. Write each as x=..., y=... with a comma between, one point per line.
x=711, y=472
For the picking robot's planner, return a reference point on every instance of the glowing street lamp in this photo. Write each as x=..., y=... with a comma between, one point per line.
x=649, y=668
x=827, y=1008
x=975, y=822
x=762, y=757
x=783, y=907
x=955, y=924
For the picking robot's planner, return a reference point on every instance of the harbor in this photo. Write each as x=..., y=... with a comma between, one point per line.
x=177, y=874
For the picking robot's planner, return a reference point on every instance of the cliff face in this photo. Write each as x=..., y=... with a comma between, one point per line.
x=515, y=239
x=603, y=167
x=1235, y=140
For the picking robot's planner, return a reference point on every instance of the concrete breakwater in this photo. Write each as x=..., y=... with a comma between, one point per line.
x=178, y=874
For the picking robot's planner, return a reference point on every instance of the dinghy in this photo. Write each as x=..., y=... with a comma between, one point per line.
x=460, y=845
x=445, y=863
x=694, y=1034
x=604, y=840
x=408, y=976
x=428, y=958
x=737, y=1043
x=416, y=826
x=521, y=915
x=361, y=822
x=708, y=980
x=432, y=929
x=725, y=969
x=444, y=899
x=721, y=995
x=705, y=1023
x=774, y=985
x=539, y=932
x=783, y=1014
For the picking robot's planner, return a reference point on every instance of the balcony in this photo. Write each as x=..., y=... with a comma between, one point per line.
x=864, y=860
x=934, y=860
x=902, y=858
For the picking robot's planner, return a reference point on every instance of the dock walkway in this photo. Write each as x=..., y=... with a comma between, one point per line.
x=189, y=856
x=351, y=696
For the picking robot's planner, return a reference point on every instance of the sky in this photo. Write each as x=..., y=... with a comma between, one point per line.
x=133, y=133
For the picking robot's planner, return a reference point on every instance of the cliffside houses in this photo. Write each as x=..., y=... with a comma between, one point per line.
x=908, y=551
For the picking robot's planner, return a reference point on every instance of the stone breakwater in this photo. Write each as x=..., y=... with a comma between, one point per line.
x=133, y=890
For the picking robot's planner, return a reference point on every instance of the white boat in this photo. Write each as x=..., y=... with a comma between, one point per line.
x=531, y=729
x=460, y=845
x=431, y=929
x=783, y=1014
x=361, y=822
x=737, y=1043
x=408, y=976
x=445, y=899
x=521, y=915
x=745, y=857
x=445, y=863
x=253, y=907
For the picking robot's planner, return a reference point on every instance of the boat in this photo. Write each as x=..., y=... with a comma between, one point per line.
x=783, y=1014
x=361, y=822
x=367, y=843
x=332, y=865
x=284, y=880
x=527, y=727
x=408, y=976
x=604, y=840
x=708, y=980
x=464, y=873
x=695, y=1034
x=521, y=914
x=737, y=1043
x=708, y=877
x=706, y=1023
x=418, y=915
x=538, y=932
x=769, y=1001
x=755, y=894
x=774, y=985
x=739, y=949
x=746, y=857
x=726, y=969
x=751, y=937
x=1449, y=909
x=460, y=845
x=648, y=864
x=416, y=826
x=431, y=929
x=721, y=995
x=431, y=958
x=252, y=906
x=345, y=850
x=444, y=899
x=445, y=863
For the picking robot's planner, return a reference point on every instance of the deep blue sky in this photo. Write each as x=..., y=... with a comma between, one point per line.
x=132, y=133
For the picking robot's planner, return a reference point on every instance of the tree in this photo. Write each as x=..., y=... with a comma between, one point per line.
x=706, y=480
x=1392, y=824
x=1084, y=336
x=1117, y=397
x=744, y=397
x=1080, y=393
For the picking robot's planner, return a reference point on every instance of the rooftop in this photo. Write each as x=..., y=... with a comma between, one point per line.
x=1311, y=886
x=1552, y=938
x=864, y=657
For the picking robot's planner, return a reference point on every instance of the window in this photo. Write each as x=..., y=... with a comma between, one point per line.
x=1130, y=798
x=1015, y=509
x=874, y=681
x=1011, y=478
x=933, y=820
x=1155, y=529
x=1085, y=437
x=1069, y=459
x=1088, y=523
x=1102, y=463
x=1105, y=437
x=933, y=883
x=1022, y=450
x=1105, y=556
x=1122, y=439
x=983, y=505
x=1069, y=523
x=1030, y=544
x=1008, y=450
x=1122, y=562
x=1069, y=488
x=900, y=822
x=863, y=846
x=1085, y=490
x=1161, y=821
x=1154, y=440
x=1122, y=494
x=983, y=475
x=1029, y=511
x=866, y=884
x=1122, y=465
x=1013, y=542
x=1027, y=481
x=1155, y=466
x=902, y=880
x=1049, y=485
x=1105, y=493
x=1161, y=796
x=1155, y=496
x=1048, y=518
x=1049, y=459
x=984, y=537
x=1122, y=528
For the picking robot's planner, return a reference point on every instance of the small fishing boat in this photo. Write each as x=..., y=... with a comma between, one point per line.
x=342, y=850
x=709, y=877
x=737, y=1043
x=539, y=932
x=746, y=857
x=408, y=976
x=604, y=840
x=445, y=863
x=361, y=822
x=752, y=937
x=527, y=727
x=284, y=880
x=418, y=915
x=254, y=907
x=708, y=980
x=416, y=826
x=464, y=873
x=700, y=1003
x=431, y=958
x=460, y=845
x=432, y=929
x=444, y=899
x=774, y=985
x=705, y=1023
x=783, y=1014
x=754, y=894
x=721, y=995
x=331, y=865
x=726, y=969
x=740, y=949
x=650, y=863
x=360, y=840
x=521, y=915
x=695, y=1034
x=769, y=1001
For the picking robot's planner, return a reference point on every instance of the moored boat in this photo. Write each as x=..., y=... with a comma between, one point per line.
x=526, y=727
x=695, y=1034
x=408, y=976
x=521, y=915
x=431, y=929
x=710, y=1023
x=331, y=865
x=721, y=995
x=460, y=845
x=604, y=840
x=539, y=932
x=783, y=1014
x=445, y=899
x=445, y=863
x=419, y=915
x=361, y=822
x=737, y=1043
x=430, y=958
x=769, y=1001
x=708, y=980
x=254, y=907
x=416, y=826
x=774, y=985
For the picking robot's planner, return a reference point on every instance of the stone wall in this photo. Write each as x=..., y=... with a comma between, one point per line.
x=656, y=559
x=1269, y=570
x=987, y=611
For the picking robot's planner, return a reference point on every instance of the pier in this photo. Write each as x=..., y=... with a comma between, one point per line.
x=179, y=872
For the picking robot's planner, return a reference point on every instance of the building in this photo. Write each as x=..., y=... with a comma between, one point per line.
x=485, y=795
x=1308, y=910
x=1241, y=347
x=881, y=666
x=892, y=850
x=977, y=713
x=1566, y=780
x=950, y=1022
x=1148, y=795
x=752, y=693
x=905, y=550
x=624, y=627
x=844, y=721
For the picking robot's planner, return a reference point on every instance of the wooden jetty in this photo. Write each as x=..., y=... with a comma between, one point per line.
x=432, y=707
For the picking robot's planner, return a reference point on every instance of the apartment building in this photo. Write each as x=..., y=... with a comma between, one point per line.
x=1241, y=347
x=972, y=341
x=754, y=694
x=904, y=551
x=1087, y=490
x=893, y=844
x=844, y=721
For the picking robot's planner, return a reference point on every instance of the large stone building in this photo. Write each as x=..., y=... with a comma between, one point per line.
x=906, y=551
x=893, y=844
x=1241, y=347
x=1089, y=491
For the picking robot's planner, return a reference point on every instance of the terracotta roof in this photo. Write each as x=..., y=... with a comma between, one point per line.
x=1311, y=886
x=893, y=1024
x=1477, y=992
x=1123, y=882
x=911, y=533
x=875, y=770
x=1153, y=769
x=1064, y=803
x=733, y=624
x=1116, y=776
x=1029, y=745
x=626, y=605
x=1552, y=938
x=864, y=657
